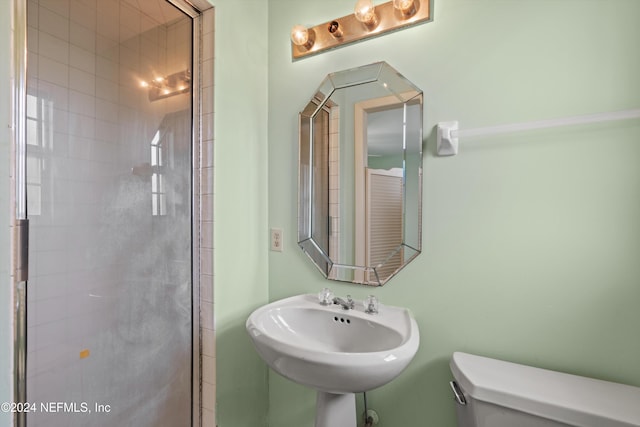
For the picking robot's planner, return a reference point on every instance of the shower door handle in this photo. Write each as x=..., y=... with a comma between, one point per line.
x=21, y=251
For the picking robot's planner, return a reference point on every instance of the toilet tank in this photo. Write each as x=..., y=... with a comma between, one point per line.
x=494, y=393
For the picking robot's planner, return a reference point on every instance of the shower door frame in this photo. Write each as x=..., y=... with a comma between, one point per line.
x=19, y=223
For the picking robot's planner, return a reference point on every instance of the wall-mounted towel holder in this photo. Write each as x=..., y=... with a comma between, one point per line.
x=448, y=132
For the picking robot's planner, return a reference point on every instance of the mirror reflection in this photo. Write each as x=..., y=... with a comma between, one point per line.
x=360, y=174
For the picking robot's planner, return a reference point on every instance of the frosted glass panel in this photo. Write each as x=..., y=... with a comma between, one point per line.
x=109, y=203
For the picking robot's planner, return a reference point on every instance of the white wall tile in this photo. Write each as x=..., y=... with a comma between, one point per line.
x=53, y=47
x=208, y=396
x=82, y=126
x=53, y=24
x=82, y=59
x=207, y=100
x=207, y=46
x=206, y=288
x=130, y=98
x=104, y=150
x=83, y=13
x=207, y=74
x=49, y=310
x=106, y=111
x=207, y=207
x=208, y=22
x=82, y=37
x=207, y=126
x=53, y=71
x=206, y=291
x=32, y=36
x=208, y=342
x=206, y=315
x=55, y=262
x=107, y=90
x=107, y=69
x=33, y=10
x=107, y=131
x=107, y=48
x=81, y=103
x=208, y=417
x=48, y=334
x=206, y=182
x=56, y=93
x=208, y=369
x=57, y=356
x=61, y=7
x=206, y=261
x=207, y=157
x=82, y=81
x=60, y=142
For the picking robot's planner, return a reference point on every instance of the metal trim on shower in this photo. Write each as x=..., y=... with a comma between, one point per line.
x=195, y=81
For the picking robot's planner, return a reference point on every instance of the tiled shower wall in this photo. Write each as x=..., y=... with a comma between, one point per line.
x=207, y=325
x=86, y=105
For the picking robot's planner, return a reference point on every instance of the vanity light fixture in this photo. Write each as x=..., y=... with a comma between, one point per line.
x=368, y=20
x=164, y=87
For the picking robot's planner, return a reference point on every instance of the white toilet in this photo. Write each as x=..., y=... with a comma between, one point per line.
x=493, y=393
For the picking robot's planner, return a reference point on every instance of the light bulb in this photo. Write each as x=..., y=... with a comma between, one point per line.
x=406, y=7
x=365, y=12
x=299, y=35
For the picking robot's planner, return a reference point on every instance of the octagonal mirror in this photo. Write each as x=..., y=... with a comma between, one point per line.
x=360, y=175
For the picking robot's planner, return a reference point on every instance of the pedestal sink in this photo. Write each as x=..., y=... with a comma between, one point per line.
x=335, y=351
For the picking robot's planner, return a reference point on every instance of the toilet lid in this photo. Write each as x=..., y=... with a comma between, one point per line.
x=571, y=399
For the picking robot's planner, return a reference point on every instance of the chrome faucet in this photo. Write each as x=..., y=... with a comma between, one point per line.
x=349, y=304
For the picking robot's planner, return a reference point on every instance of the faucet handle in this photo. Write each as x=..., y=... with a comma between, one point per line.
x=325, y=296
x=371, y=305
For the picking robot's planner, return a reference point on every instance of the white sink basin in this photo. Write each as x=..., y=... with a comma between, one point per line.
x=331, y=349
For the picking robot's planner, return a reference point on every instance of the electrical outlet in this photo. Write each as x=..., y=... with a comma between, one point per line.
x=276, y=239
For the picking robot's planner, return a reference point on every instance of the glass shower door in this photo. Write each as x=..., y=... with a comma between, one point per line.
x=109, y=323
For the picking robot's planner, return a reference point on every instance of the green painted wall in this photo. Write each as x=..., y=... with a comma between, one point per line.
x=531, y=241
x=240, y=231
x=6, y=335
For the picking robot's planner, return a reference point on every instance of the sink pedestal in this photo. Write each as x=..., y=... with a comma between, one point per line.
x=335, y=410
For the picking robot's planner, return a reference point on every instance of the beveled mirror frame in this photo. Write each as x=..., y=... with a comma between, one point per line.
x=322, y=233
